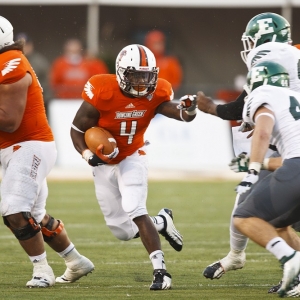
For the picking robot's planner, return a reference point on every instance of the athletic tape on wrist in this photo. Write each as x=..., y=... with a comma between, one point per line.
x=255, y=166
x=265, y=164
x=86, y=154
x=191, y=113
x=180, y=113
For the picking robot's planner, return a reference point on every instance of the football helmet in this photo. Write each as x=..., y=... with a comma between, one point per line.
x=263, y=28
x=136, y=71
x=6, y=33
x=267, y=73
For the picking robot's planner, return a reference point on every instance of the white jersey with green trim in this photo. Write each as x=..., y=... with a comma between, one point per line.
x=285, y=104
x=284, y=54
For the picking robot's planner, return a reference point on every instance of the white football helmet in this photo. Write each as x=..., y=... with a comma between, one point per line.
x=136, y=71
x=6, y=33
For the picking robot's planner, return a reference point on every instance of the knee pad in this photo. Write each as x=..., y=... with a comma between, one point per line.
x=25, y=232
x=48, y=233
x=124, y=231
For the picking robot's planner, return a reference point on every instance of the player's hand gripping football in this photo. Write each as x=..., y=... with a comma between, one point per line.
x=99, y=158
x=188, y=104
x=247, y=183
x=240, y=163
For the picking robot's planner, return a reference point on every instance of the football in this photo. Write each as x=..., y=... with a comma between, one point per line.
x=95, y=136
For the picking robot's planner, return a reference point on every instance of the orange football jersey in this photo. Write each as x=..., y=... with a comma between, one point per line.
x=34, y=125
x=124, y=117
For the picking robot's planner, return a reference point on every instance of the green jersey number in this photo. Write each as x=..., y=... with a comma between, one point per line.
x=294, y=108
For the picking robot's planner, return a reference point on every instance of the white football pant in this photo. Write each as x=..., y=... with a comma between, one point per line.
x=24, y=170
x=121, y=191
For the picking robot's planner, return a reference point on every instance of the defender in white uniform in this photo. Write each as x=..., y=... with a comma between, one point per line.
x=274, y=201
x=267, y=38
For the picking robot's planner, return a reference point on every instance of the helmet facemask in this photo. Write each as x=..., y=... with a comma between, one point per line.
x=137, y=83
x=136, y=71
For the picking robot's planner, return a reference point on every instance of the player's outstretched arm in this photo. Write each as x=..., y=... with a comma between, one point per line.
x=228, y=111
x=206, y=104
x=232, y=110
x=186, y=111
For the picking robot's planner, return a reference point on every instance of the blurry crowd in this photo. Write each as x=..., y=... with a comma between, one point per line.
x=65, y=77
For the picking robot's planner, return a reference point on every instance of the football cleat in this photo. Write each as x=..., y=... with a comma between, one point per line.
x=291, y=270
x=295, y=288
x=162, y=280
x=233, y=261
x=75, y=270
x=274, y=289
x=42, y=277
x=169, y=232
x=295, y=291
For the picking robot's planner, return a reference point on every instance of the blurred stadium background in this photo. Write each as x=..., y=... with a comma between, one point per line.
x=204, y=34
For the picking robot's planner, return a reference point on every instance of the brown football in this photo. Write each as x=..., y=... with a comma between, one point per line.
x=96, y=135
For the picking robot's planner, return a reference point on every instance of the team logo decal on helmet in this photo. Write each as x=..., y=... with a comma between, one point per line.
x=120, y=56
x=267, y=73
x=263, y=28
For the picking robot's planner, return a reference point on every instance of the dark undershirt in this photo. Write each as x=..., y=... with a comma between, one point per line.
x=232, y=110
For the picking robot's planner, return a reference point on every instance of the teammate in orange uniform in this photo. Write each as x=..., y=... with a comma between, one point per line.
x=169, y=66
x=28, y=153
x=124, y=104
x=69, y=72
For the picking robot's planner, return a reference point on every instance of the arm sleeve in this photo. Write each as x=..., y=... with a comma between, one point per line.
x=232, y=110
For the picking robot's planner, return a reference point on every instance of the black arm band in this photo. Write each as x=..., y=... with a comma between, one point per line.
x=232, y=110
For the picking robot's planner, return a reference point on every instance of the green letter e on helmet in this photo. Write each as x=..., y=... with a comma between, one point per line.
x=267, y=73
x=263, y=28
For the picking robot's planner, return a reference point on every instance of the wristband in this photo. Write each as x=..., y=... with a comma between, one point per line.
x=86, y=154
x=265, y=164
x=255, y=166
x=181, y=117
x=191, y=113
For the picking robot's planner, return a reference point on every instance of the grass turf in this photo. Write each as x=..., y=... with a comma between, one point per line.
x=122, y=269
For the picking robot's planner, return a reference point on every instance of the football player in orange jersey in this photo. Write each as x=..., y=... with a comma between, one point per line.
x=124, y=104
x=28, y=153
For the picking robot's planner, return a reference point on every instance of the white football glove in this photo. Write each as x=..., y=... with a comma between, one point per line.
x=246, y=184
x=188, y=104
x=240, y=163
x=113, y=154
x=99, y=158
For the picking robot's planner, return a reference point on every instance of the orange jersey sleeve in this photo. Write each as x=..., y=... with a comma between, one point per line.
x=34, y=125
x=125, y=118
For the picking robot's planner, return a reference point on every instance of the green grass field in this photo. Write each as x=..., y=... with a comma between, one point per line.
x=122, y=269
